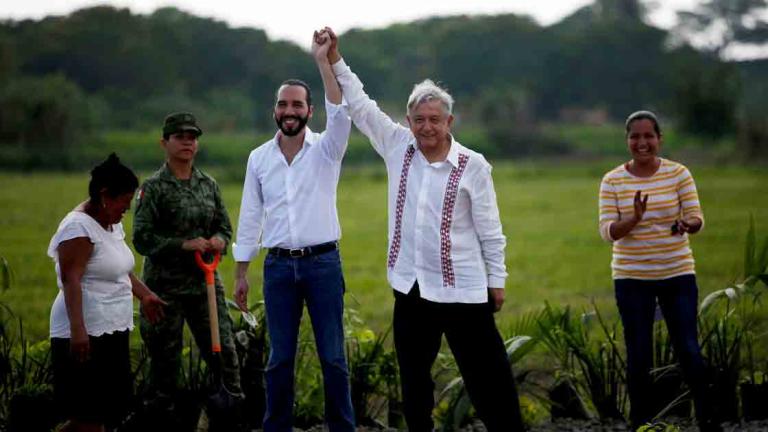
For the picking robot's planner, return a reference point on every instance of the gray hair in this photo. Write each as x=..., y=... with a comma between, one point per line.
x=426, y=91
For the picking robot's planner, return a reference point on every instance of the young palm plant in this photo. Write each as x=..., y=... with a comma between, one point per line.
x=453, y=400
x=26, y=396
x=734, y=326
x=672, y=398
x=593, y=366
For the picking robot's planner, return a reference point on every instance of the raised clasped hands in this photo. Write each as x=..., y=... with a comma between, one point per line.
x=320, y=45
x=327, y=43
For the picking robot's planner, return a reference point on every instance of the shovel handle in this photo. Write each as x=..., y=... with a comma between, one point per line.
x=208, y=268
x=213, y=315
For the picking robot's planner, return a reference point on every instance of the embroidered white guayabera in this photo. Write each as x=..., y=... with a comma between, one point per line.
x=444, y=226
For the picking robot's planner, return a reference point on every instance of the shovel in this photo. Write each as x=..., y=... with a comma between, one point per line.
x=222, y=405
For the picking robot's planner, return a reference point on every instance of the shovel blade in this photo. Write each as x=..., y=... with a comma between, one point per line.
x=224, y=410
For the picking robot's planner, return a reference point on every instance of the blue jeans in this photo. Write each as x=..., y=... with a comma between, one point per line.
x=316, y=280
x=678, y=299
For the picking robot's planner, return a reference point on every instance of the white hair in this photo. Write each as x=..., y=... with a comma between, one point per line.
x=426, y=91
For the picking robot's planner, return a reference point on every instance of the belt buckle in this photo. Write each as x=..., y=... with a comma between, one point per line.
x=296, y=253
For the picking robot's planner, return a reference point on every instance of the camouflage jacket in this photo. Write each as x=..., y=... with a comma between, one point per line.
x=168, y=212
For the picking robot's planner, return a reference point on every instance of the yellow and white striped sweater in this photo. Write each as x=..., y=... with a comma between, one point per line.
x=650, y=251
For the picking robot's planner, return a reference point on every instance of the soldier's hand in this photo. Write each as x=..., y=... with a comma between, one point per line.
x=197, y=244
x=241, y=293
x=217, y=244
x=152, y=306
x=496, y=296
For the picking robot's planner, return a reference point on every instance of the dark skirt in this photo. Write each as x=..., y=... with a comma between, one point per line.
x=98, y=390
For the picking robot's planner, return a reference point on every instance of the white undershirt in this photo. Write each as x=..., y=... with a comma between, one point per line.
x=106, y=285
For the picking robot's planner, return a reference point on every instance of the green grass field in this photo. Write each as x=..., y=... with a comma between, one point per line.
x=549, y=213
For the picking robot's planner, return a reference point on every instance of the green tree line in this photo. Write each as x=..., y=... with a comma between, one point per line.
x=65, y=79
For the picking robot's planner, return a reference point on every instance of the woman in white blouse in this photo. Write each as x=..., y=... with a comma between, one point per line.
x=93, y=311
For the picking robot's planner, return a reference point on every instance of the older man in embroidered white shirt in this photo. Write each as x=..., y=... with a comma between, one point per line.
x=289, y=207
x=446, y=251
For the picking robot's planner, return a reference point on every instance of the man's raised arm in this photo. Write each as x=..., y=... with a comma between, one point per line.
x=383, y=132
x=337, y=124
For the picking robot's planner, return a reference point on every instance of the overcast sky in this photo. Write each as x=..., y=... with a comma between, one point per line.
x=295, y=19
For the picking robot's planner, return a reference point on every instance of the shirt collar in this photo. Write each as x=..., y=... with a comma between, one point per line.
x=453, y=153
x=309, y=138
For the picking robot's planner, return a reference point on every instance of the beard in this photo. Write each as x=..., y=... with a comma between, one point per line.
x=296, y=129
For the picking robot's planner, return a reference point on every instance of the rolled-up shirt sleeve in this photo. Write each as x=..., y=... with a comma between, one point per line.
x=609, y=208
x=251, y=219
x=485, y=215
x=689, y=197
x=338, y=125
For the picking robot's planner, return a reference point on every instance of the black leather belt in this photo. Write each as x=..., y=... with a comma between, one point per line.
x=305, y=251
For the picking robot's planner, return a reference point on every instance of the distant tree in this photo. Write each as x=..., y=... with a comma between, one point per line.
x=620, y=10
x=706, y=94
x=43, y=120
x=8, y=64
x=752, y=136
x=717, y=25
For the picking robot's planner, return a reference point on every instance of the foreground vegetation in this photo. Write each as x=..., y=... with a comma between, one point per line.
x=554, y=256
x=569, y=365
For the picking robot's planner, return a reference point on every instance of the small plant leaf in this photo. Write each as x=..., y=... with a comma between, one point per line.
x=749, y=249
x=710, y=299
x=5, y=274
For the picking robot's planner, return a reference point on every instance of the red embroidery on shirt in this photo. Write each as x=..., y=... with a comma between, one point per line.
x=394, y=248
x=449, y=202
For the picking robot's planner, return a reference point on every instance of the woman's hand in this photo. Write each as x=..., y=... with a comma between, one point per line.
x=690, y=225
x=152, y=306
x=641, y=204
x=79, y=344
x=622, y=227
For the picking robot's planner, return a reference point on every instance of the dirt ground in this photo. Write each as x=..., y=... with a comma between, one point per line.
x=588, y=426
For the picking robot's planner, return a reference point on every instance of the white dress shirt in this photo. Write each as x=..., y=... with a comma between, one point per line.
x=444, y=226
x=293, y=206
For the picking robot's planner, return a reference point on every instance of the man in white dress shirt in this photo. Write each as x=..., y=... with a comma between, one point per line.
x=446, y=252
x=289, y=208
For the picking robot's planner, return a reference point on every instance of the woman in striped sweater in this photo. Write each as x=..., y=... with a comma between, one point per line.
x=648, y=207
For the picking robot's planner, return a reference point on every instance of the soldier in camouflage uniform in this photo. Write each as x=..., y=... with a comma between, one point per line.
x=179, y=211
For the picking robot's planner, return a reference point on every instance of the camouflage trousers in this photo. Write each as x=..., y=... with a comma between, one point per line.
x=164, y=340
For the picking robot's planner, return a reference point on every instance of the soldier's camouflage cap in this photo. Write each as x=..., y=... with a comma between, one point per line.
x=181, y=122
